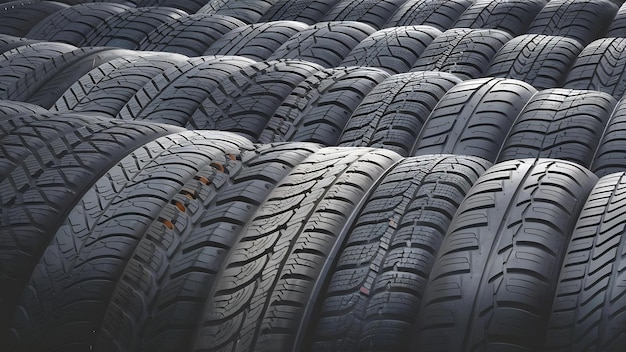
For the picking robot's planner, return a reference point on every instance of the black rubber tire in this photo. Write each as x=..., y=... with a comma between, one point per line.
x=559, y=123
x=617, y=29
x=464, y=52
x=70, y=25
x=10, y=108
x=325, y=43
x=373, y=13
x=318, y=108
x=205, y=226
x=249, y=11
x=24, y=69
x=49, y=163
x=473, y=118
x=393, y=49
x=611, y=153
x=392, y=115
x=189, y=6
x=590, y=298
x=440, y=14
x=108, y=88
x=512, y=16
x=256, y=41
x=245, y=101
x=283, y=253
x=380, y=275
x=492, y=284
x=306, y=11
x=541, y=60
x=600, y=66
x=174, y=95
x=584, y=21
x=190, y=35
x=129, y=28
x=73, y=66
x=102, y=231
x=17, y=17
x=10, y=42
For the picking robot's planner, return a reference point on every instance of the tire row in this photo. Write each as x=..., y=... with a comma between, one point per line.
x=312, y=175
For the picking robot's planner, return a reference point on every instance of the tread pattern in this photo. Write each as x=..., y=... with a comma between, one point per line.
x=393, y=49
x=590, y=299
x=129, y=28
x=71, y=24
x=205, y=226
x=190, y=35
x=271, y=276
x=10, y=108
x=584, y=21
x=462, y=51
x=256, y=41
x=245, y=101
x=376, y=286
x=189, y=6
x=372, y=12
x=473, y=118
x=600, y=66
x=306, y=11
x=17, y=17
x=617, y=29
x=101, y=232
x=512, y=16
x=249, y=11
x=318, y=108
x=609, y=157
x=440, y=14
x=392, y=115
x=540, y=60
x=325, y=43
x=172, y=96
x=559, y=123
x=495, y=275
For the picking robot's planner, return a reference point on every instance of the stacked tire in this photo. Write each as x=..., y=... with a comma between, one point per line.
x=312, y=175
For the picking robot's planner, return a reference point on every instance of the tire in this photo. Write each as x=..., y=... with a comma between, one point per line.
x=325, y=43
x=393, y=113
x=129, y=28
x=245, y=101
x=51, y=161
x=617, y=29
x=71, y=24
x=205, y=226
x=190, y=35
x=248, y=11
x=96, y=234
x=373, y=13
x=318, y=108
x=285, y=250
x=462, y=51
x=172, y=97
x=189, y=6
x=306, y=11
x=540, y=60
x=376, y=286
x=473, y=118
x=393, y=49
x=512, y=16
x=9, y=108
x=73, y=66
x=24, y=69
x=589, y=303
x=584, y=21
x=440, y=14
x=494, y=278
x=609, y=157
x=110, y=86
x=600, y=66
x=9, y=42
x=256, y=41
x=17, y=17
x=559, y=123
